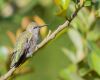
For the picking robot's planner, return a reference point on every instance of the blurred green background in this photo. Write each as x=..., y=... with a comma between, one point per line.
x=73, y=55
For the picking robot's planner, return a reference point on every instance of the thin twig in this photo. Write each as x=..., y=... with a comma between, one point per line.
x=45, y=41
x=8, y=74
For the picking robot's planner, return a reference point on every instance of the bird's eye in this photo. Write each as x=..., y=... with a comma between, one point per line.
x=34, y=27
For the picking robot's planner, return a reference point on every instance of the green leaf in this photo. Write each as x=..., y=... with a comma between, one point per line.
x=70, y=54
x=83, y=68
x=94, y=59
x=76, y=38
x=70, y=73
x=65, y=3
x=98, y=13
x=62, y=6
x=88, y=3
x=93, y=35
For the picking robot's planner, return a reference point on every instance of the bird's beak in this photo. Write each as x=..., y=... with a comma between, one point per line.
x=43, y=25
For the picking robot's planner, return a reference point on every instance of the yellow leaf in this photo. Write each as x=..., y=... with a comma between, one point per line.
x=11, y=36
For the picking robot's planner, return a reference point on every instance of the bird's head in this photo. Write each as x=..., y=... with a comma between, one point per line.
x=34, y=27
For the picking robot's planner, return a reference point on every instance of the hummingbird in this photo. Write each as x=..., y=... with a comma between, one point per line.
x=25, y=44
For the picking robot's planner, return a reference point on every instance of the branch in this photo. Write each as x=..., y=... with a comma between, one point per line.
x=45, y=41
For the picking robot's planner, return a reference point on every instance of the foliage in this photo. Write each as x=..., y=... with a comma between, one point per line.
x=73, y=55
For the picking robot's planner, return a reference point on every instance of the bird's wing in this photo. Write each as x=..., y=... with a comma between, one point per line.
x=21, y=47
